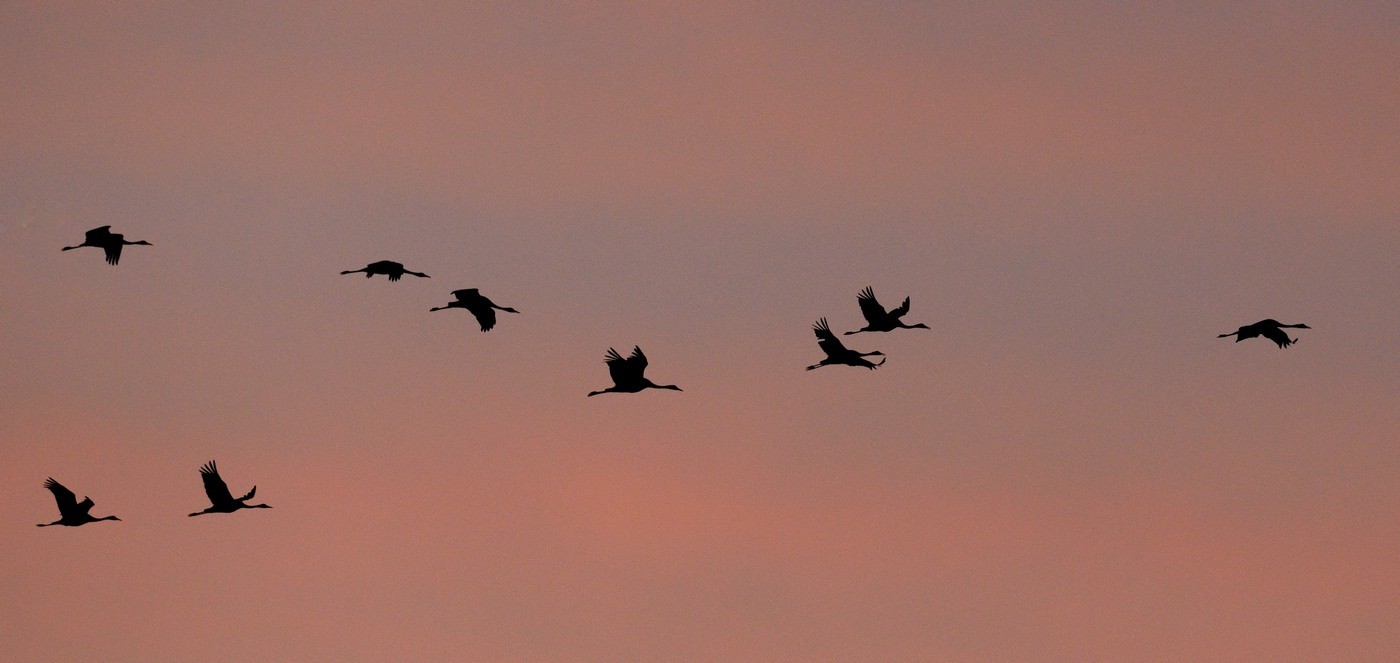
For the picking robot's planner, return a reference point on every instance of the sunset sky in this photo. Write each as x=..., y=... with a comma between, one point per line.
x=1069, y=466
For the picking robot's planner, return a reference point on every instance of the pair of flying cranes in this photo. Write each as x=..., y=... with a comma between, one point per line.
x=627, y=372
x=75, y=513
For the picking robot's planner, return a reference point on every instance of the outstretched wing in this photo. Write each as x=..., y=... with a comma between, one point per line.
x=900, y=310
x=827, y=340
x=638, y=361
x=870, y=307
x=114, y=252
x=617, y=366
x=214, y=485
x=67, y=501
x=484, y=315
x=1276, y=335
x=249, y=495
x=97, y=235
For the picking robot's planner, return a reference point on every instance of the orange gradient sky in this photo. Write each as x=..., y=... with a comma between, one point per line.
x=1068, y=467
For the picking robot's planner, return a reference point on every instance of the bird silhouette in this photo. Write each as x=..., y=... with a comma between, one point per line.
x=222, y=500
x=389, y=268
x=74, y=513
x=836, y=353
x=478, y=305
x=1270, y=329
x=877, y=318
x=110, y=242
x=627, y=374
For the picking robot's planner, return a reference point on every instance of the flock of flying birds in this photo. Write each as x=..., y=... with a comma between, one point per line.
x=626, y=372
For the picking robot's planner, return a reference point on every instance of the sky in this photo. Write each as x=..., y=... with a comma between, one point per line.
x=1068, y=466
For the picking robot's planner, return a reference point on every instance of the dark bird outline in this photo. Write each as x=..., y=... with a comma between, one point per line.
x=627, y=373
x=1270, y=329
x=222, y=501
x=111, y=243
x=836, y=353
x=478, y=305
x=73, y=512
x=389, y=268
x=877, y=318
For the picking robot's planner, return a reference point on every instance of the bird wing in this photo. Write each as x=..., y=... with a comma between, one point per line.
x=617, y=366
x=900, y=310
x=637, y=361
x=114, y=252
x=214, y=485
x=870, y=307
x=67, y=501
x=1276, y=335
x=464, y=294
x=484, y=314
x=97, y=235
x=249, y=496
x=827, y=340
x=385, y=265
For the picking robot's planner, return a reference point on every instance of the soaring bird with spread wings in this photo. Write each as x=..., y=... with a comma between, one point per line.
x=836, y=353
x=627, y=374
x=478, y=305
x=73, y=512
x=389, y=268
x=1270, y=329
x=111, y=243
x=221, y=500
x=877, y=318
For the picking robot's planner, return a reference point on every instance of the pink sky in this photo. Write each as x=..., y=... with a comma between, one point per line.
x=1068, y=467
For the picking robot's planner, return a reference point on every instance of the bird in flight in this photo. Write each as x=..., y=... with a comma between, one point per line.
x=110, y=242
x=388, y=268
x=74, y=513
x=1270, y=329
x=836, y=353
x=478, y=305
x=877, y=318
x=222, y=500
x=627, y=374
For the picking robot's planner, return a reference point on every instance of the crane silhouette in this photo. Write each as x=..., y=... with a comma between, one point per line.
x=836, y=353
x=877, y=318
x=478, y=305
x=627, y=374
x=74, y=513
x=222, y=500
x=110, y=242
x=389, y=268
x=1270, y=329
